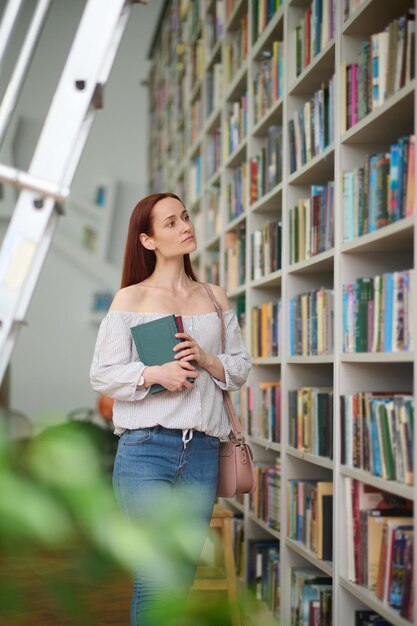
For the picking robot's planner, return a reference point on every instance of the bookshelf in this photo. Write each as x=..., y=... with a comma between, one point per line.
x=232, y=179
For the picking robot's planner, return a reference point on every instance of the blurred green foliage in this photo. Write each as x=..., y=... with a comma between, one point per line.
x=57, y=502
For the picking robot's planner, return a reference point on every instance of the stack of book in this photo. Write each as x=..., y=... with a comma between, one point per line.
x=377, y=313
x=268, y=82
x=310, y=412
x=266, y=249
x=263, y=12
x=311, y=323
x=311, y=223
x=314, y=32
x=386, y=64
x=265, y=502
x=380, y=192
x=377, y=434
x=266, y=322
x=236, y=191
x=311, y=597
x=380, y=535
x=311, y=128
x=263, y=572
x=263, y=414
x=235, y=262
x=266, y=166
x=310, y=515
x=236, y=126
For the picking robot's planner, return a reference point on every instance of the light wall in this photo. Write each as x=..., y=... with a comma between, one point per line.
x=50, y=364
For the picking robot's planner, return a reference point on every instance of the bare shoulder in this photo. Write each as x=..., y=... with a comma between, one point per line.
x=221, y=296
x=125, y=299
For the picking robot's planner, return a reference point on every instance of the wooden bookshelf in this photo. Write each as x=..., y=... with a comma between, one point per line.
x=391, y=248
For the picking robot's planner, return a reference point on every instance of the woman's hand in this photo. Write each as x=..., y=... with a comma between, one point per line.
x=173, y=375
x=190, y=351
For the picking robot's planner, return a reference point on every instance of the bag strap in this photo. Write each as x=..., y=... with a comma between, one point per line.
x=236, y=433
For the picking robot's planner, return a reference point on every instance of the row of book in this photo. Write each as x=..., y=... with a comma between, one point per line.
x=268, y=81
x=263, y=411
x=213, y=267
x=197, y=61
x=310, y=515
x=381, y=191
x=311, y=323
x=230, y=6
x=377, y=434
x=311, y=223
x=236, y=197
x=265, y=502
x=266, y=325
x=377, y=313
x=311, y=128
x=349, y=7
x=213, y=211
x=264, y=573
x=214, y=88
x=191, y=18
x=195, y=179
x=235, y=259
x=385, y=65
x=370, y=618
x=213, y=152
x=236, y=126
x=380, y=536
x=311, y=598
x=196, y=120
x=266, y=166
x=262, y=13
x=214, y=25
x=310, y=420
x=266, y=249
x=314, y=32
x=236, y=51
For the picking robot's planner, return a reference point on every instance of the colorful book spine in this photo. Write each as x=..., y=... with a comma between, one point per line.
x=266, y=334
x=311, y=224
x=265, y=502
x=311, y=129
x=381, y=191
x=385, y=65
x=310, y=411
x=377, y=434
x=268, y=81
x=310, y=519
x=236, y=196
x=314, y=32
x=266, y=249
x=264, y=421
x=311, y=323
x=377, y=313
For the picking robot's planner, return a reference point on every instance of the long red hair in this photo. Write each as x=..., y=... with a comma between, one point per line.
x=139, y=263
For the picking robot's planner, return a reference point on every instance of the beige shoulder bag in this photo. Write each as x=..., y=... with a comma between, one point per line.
x=236, y=471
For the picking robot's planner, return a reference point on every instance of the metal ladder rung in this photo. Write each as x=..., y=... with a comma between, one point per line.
x=26, y=181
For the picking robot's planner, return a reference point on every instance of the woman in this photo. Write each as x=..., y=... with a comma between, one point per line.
x=169, y=441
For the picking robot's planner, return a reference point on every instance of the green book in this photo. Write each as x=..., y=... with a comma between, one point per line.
x=387, y=454
x=155, y=341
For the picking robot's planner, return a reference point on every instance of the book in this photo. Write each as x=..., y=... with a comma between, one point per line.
x=155, y=341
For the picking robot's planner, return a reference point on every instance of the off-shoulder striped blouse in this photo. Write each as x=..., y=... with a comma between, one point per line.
x=116, y=371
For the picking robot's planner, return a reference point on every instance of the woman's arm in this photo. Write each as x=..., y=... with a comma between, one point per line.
x=230, y=369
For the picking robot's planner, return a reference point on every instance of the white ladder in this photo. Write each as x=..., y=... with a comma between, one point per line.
x=46, y=184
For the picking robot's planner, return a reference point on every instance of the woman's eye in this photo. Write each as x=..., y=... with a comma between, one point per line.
x=171, y=223
x=187, y=217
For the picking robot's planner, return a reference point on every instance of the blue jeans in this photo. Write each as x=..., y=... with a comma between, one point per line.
x=152, y=465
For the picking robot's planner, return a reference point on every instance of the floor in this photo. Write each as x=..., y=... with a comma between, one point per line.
x=46, y=592
x=50, y=590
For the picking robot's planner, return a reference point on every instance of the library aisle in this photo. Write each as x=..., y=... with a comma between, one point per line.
x=288, y=129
